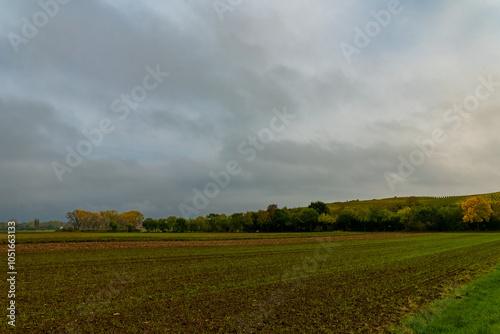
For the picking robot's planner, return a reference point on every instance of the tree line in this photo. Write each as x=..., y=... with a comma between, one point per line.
x=473, y=214
x=36, y=225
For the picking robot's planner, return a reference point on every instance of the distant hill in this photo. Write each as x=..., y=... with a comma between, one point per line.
x=388, y=203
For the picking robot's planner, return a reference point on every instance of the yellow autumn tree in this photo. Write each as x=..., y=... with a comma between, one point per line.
x=83, y=218
x=476, y=210
x=86, y=220
x=130, y=220
x=109, y=216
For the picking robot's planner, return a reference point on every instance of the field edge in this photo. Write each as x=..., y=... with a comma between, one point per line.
x=448, y=314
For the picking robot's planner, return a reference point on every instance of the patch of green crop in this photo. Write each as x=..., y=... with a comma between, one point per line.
x=30, y=237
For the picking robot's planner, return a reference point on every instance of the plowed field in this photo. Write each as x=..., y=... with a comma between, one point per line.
x=333, y=284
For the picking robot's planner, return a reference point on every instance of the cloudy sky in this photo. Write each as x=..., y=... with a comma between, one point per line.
x=139, y=105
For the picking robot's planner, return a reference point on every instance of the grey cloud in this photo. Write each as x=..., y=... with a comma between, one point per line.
x=353, y=121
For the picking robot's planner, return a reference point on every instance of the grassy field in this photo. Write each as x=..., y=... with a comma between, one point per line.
x=330, y=283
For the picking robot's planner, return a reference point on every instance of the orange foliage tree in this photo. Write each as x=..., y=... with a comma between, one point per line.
x=476, y=210
x=130, y=220
x=86, y=220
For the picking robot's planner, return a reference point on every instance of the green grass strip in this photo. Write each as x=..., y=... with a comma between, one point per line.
x=468, y=310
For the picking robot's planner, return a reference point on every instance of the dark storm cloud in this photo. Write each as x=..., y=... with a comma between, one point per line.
x=352, y=121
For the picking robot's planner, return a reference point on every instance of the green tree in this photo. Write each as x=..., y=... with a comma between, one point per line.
x=405, y=216
x=320, y=207
x=449, y=218
x=294, y=222
x=308, y=219
x=113, y=226
x=271, y=208
x=389, y=219
x=171, y=223
x=211, y=221
x=162, y=225
x=237, y=220
x=195, y=225
x=222, y=223
x=247, y=223
x=495, y=216
x=383, y=218
x=251, y=220
x=327, y=222
x=280, y=219
x=191, y=225
x=149, y=224
x=37, y=223
x=426, y=216
x=181, y=225
x=264, y=220
x=363, y=216
x=202, y=224
x=417, y=218
x=346, y=219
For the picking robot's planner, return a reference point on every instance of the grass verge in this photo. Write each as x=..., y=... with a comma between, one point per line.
x=474, y=308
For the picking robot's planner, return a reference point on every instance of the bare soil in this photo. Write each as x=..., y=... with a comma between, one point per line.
x=101, y=245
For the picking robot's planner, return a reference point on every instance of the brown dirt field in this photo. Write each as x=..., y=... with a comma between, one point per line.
x=98, y=245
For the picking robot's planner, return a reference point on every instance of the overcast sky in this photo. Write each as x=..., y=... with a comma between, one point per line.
x=299, y=100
